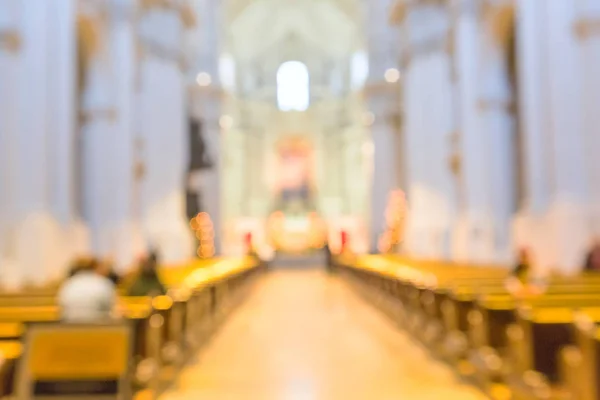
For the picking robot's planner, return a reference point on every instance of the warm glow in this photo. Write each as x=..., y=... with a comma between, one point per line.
x=369, y=118
x=203, y=79
x=392, y=75
x=226, y=122
x=204, y=232
x=296, y=234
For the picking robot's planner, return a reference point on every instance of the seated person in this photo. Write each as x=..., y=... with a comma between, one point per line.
x=147, y=282
x=106, y=269
x=86, y=295
x=592, y=262
x=520, y=280
x=328, y=256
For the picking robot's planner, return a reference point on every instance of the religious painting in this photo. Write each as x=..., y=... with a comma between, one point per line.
x=294, y=183
x=294, y=225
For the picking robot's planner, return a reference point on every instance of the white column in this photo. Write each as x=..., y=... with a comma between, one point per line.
x=568, y=213
x=62, y=107
x=32, y=186
x=557, y=176
x=211, y=187
x=164, y=125
x=431, y=196
x=590, y=44
x=499, y=126
x=532, y=70
x=62, y=134
x=529, y=229
x=10, y=50
x=384, y=176
x=124, y=228
x=98, y=134
x=471, y=236
x=35, y=221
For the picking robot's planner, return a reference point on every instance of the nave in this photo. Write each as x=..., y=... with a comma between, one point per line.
x=304, y=335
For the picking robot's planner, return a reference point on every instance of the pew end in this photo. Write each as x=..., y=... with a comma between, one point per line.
x=94, y=362
x=570, y=371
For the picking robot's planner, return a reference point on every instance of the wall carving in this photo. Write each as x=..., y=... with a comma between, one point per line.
x=186, y=13
x=10, y=40
x=587, y=27
x=500, y=20
x=88, y=38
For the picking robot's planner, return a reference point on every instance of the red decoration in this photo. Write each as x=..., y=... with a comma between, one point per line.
x=248, y=242
x=344, y=239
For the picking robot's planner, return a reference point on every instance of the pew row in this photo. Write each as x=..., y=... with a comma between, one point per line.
x=527, y=346
x=165, y=330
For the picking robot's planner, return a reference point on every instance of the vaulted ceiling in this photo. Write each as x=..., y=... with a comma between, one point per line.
x=333, y=27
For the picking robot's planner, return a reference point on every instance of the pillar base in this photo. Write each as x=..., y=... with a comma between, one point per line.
x=559, y=239
x=426, y=242
x=428, y=223
x=167, y=229
x=122, y=241
x=44, y=249
x=475, y=240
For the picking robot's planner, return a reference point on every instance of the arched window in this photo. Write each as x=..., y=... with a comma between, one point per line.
x=359, y=70
x=293, y=86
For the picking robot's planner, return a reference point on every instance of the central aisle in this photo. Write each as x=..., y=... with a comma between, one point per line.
x=303, y=335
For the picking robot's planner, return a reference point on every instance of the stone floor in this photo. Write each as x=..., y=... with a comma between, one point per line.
x=303, y=335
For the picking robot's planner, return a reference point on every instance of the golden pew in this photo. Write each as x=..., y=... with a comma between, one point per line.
x=67, y=361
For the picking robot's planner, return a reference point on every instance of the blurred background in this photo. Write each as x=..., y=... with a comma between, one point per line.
x=441, y=129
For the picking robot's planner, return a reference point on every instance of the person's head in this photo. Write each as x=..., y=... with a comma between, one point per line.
x=105, y=266
x=84, y=264
x=524, y=255
x=594, y=258
x=153, y=256
x=148, y=266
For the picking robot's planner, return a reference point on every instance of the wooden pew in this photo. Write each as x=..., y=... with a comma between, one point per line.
x=437, y=300
x=536, y=341
x=488, y=324
x=167, y=317
x=455, y=310
x=10, y=351
x=11, y=331
x=462, y=312
x=579, y=367
x=147, y=332
x=94, y=362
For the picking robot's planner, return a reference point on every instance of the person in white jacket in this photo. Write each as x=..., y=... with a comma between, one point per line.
x=87, y=296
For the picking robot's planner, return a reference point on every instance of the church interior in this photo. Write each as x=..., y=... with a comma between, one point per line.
x=299, y=199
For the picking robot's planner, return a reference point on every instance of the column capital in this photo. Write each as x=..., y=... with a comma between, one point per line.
x=183, y=7
x=400, y=8
x=96, y=9
x=152, y=48
x=473, y=7
x=10, y=40
x=123, y=10
x=399, y=11
x=585, y=28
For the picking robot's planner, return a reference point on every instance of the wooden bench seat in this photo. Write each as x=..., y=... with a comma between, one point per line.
x=535, y=342
x=463, y=313
x=579, y=369
x=11, y=330
x=455, y=308
x=94, y=361
x=162, y=326
x=488, y=324
x=10, y=352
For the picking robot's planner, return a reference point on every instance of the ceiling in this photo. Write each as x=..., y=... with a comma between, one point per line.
x=331, y=27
